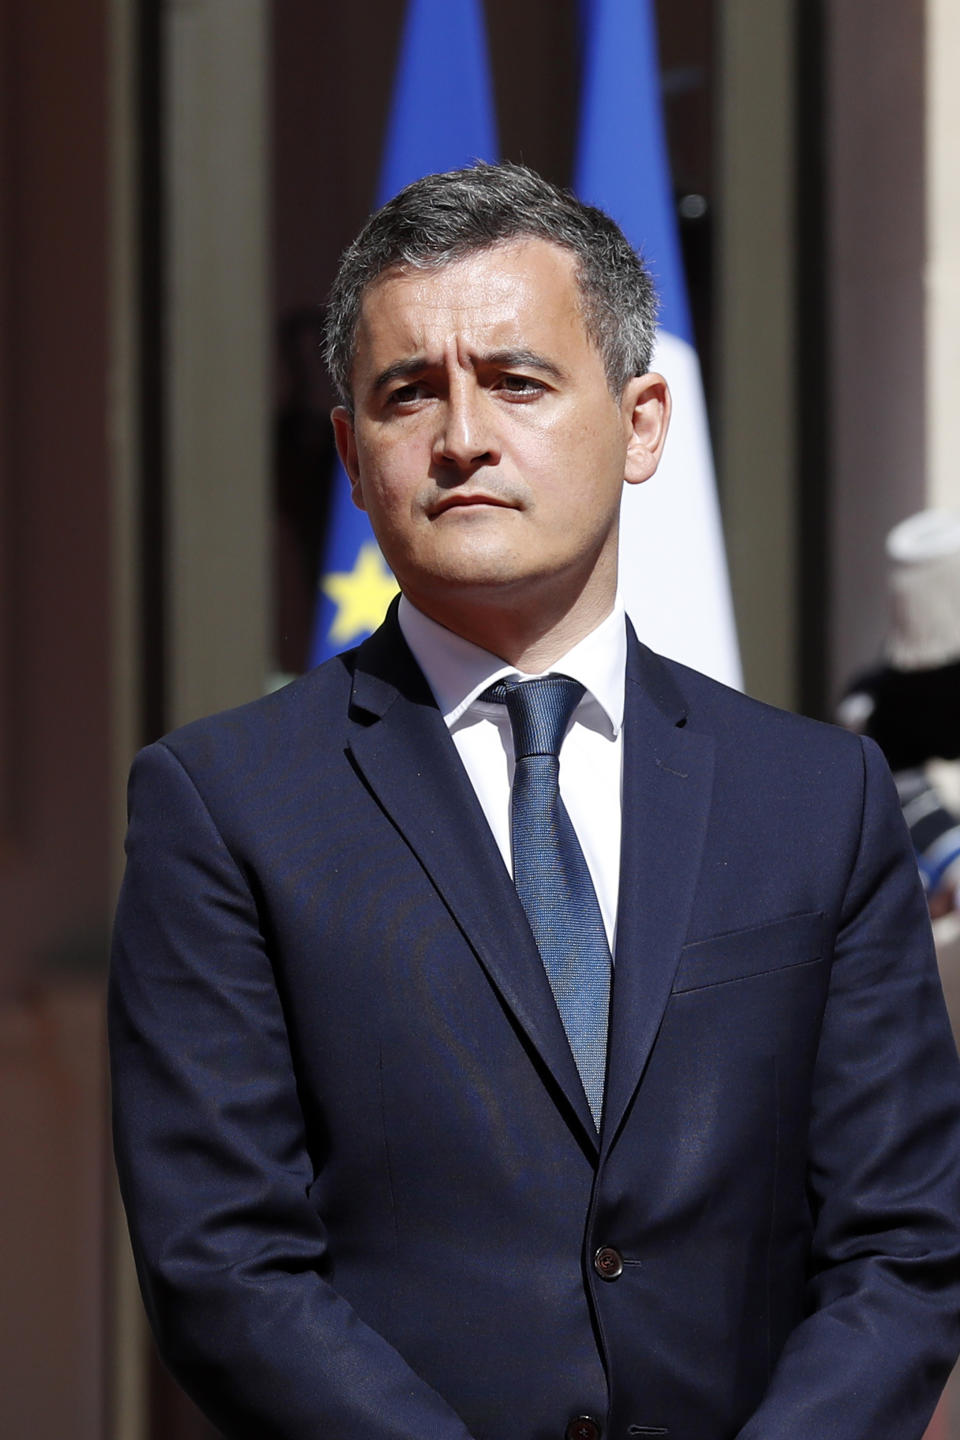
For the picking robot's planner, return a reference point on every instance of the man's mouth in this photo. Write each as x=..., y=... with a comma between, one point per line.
x=464, y=499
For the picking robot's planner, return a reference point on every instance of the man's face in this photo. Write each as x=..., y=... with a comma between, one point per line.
x=485, y=444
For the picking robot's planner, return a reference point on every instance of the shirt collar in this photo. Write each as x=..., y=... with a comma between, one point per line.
x=458, y=671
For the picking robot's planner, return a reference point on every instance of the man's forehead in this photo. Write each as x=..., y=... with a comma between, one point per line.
x=504, y=256
x=494, y=289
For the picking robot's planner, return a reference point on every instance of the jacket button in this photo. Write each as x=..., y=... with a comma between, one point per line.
x=608, y=1263
x=582, y=1428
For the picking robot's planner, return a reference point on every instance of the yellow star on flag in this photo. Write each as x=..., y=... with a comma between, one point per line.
x=361, y=595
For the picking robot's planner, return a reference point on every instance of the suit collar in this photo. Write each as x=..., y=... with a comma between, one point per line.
x=655, y=683
x=400, y=744
x=667, y=784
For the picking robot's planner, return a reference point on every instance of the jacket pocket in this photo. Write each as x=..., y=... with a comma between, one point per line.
x=738, y=954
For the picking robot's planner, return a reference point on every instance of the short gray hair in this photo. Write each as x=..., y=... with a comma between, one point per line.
x=443, y=218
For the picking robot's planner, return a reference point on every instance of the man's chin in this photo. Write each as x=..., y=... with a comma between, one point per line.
x=463, y=569
x=491, y=584
x=475, y=585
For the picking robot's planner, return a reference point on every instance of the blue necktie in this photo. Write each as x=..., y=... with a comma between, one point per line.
x=551, y=874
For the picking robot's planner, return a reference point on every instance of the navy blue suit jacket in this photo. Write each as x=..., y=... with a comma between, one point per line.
x=363, y=1183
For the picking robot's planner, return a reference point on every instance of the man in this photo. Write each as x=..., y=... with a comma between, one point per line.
x=660, y=1137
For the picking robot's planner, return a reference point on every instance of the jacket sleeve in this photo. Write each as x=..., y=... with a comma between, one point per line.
x=882, y=1322
x=212, y=1158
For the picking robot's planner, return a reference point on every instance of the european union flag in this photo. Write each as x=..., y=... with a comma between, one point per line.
x=673, y=573
x=441, y=118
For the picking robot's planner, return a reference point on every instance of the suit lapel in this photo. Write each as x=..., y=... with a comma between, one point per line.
x=402, y=748
x=667, y=780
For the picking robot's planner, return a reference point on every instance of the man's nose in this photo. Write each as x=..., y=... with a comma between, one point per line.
x=466, y=437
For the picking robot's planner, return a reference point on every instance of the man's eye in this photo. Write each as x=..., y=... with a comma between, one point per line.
x=521, y=385
x=406, y=394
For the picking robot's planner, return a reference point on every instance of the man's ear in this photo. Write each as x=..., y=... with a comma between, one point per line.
x=646, y=407
x=346, y=438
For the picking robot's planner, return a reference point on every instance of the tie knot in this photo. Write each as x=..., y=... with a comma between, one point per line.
x=539, y=711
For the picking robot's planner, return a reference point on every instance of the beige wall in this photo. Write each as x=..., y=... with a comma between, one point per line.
x=943, y=252
x=756, y=337
x=218, y=353
x=875, y=265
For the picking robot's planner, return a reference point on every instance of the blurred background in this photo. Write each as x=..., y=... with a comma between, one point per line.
x=177, y=178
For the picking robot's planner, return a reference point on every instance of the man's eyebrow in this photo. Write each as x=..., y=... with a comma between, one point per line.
x=522, y=359
x=401, y=370
x=509, y=359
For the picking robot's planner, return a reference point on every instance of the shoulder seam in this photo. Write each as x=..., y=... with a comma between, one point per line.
x=168, y=750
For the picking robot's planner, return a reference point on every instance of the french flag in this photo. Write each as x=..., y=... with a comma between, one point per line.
x=673, y=571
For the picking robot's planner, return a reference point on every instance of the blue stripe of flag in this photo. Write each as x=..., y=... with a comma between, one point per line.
x=621, y=162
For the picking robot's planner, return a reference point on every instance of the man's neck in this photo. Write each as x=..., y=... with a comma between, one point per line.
x=530, y=640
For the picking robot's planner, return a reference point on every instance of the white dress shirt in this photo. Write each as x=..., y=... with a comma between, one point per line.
x=590, y=756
